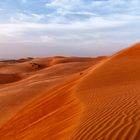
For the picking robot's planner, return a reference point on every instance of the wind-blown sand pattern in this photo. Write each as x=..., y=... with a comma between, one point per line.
x=60, y=98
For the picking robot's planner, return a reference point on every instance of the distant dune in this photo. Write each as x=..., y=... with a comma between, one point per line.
x=71, y=98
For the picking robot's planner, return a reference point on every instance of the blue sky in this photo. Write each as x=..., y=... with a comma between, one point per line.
x=67, y=27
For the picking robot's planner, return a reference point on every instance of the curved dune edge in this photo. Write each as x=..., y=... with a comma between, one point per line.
x=102, y=103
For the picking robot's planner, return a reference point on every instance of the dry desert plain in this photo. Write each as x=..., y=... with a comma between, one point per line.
x=71, y=98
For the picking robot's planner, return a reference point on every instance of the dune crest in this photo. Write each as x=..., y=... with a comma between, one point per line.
x=93, y=99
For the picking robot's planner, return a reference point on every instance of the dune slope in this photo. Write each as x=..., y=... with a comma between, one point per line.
x=102, y=102
x=111, y=96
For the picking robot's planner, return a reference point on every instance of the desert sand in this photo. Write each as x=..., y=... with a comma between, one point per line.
x=71, y=98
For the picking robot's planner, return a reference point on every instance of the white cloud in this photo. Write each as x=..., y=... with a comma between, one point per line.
x=26, y=17
x=91, y=30
x=75, y=23
x=65, y=4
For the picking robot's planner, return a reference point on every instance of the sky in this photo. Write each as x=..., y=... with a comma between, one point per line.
x=39, y=28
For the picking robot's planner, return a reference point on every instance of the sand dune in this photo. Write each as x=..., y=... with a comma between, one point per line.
x=110, y=93
x=14, y=94
x=73, y=98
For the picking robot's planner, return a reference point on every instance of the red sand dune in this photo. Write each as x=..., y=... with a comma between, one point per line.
x=73, y=98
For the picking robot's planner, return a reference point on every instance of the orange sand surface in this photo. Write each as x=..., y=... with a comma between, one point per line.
x=71, y=98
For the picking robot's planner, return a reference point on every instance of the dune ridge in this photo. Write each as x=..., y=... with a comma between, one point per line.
x=79, y=99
